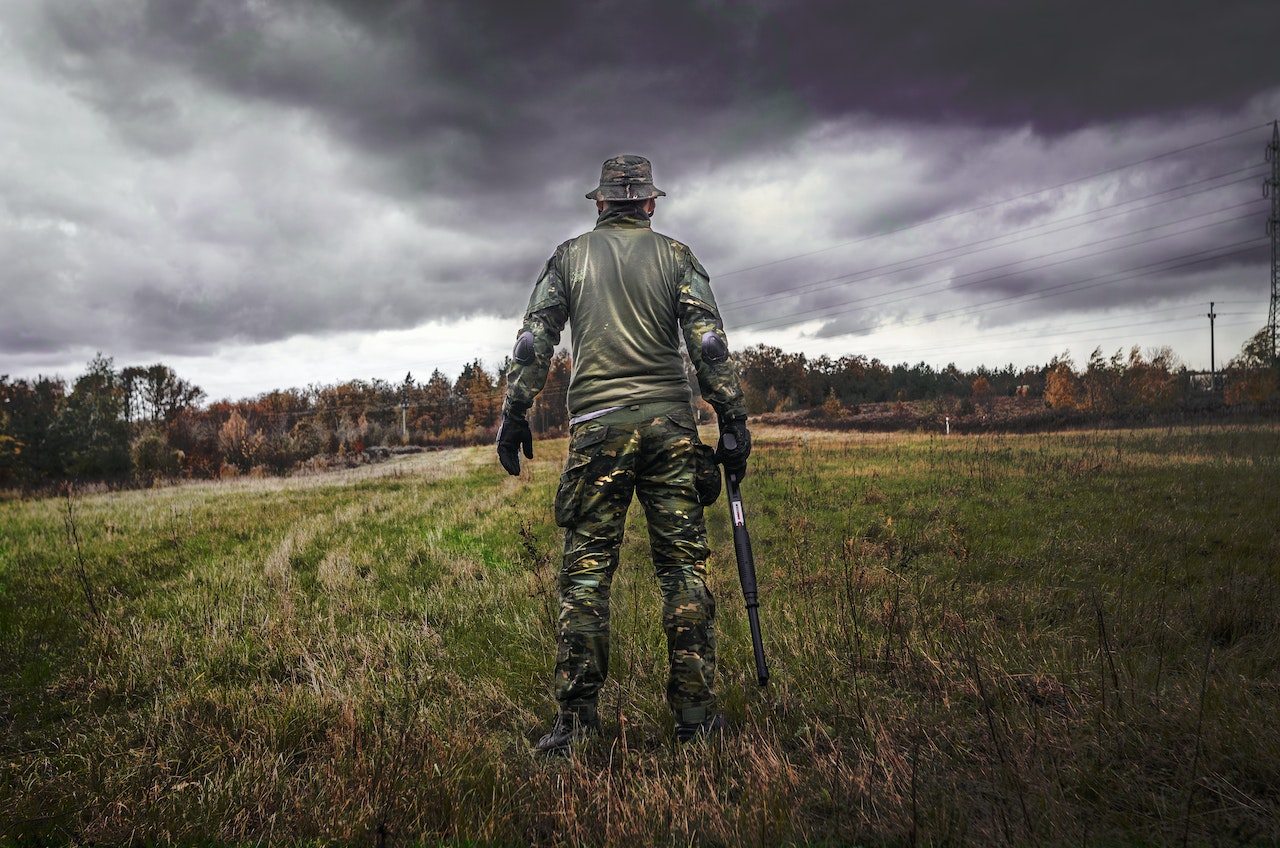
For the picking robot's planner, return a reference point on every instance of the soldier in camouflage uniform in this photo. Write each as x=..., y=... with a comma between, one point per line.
x=633, y=298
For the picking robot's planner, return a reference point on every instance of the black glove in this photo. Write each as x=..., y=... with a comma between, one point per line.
x=513, y=434
x=734, y=447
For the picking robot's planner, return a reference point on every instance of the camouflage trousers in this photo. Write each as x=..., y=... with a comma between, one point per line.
x=608, y=462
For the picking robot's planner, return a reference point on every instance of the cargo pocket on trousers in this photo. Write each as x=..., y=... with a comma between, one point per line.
x=706, y=473
x=583, y=447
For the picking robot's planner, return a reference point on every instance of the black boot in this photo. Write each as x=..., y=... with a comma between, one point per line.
x=711, y=727
x=568, y=729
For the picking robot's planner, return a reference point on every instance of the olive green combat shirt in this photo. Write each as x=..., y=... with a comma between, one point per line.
x=630, y=295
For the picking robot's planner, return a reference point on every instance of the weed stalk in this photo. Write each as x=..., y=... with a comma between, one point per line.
x=1195, y=757
x=82, y=573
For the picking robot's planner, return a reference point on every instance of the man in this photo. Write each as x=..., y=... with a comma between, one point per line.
x=631, y=296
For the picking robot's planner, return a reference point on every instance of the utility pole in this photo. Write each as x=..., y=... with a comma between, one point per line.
x=404, y=406
x=1271, y=188
x=1213, y=371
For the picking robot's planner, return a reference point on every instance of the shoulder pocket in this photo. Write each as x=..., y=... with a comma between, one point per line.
x=695, y=289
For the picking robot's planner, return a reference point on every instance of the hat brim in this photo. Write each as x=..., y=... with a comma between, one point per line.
x=626, y=191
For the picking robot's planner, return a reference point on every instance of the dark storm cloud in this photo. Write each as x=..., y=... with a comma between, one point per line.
x=516, y=78
x=463, y=96
x=509, y=73
x=309, y=166
x=448, y=90
x=1056, y=65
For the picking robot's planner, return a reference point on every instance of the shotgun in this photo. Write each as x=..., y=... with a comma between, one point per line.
x=746, y=562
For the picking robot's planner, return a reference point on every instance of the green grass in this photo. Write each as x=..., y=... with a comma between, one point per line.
x=1041, y=639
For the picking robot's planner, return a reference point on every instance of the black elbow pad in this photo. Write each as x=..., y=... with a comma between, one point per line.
x=525, y=350
x=714, y=349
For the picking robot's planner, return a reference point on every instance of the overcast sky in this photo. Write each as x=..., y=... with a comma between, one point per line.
x=273, y=193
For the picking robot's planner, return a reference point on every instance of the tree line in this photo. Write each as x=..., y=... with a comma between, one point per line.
x=1124, y=382
x=139, y=424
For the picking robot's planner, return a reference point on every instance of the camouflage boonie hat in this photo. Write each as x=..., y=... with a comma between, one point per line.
x=626, y=177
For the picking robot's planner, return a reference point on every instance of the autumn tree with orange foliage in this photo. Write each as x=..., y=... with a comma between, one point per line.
x=982, y=392
x=1115, y=385
x=1251, y=376
x=1061, y=385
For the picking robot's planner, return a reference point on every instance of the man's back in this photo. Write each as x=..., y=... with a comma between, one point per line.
x=622, y=288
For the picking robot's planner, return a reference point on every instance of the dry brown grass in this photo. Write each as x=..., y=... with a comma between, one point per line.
x=981, y=640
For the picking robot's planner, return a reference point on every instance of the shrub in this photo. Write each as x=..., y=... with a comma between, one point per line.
x=154, y=458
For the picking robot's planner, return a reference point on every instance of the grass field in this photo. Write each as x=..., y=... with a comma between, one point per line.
x=1048, y=639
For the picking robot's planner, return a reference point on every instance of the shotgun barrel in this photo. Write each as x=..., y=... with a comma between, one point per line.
x=746, y=563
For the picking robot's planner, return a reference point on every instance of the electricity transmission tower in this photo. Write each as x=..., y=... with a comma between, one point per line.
x=1271, y=188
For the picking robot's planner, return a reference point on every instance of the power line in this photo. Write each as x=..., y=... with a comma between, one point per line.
x=988, y=243
x=1093, y=324
x=996, y=203
x=792, y=319
x=948, y=282
x=1072, y=286
x=1271, y=188
x=1096, y=282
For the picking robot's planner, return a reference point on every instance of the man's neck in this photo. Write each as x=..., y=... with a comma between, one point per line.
x=625, y=216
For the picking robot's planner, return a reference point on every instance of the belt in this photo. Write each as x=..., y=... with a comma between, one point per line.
x=591, y=416
x=634, y=413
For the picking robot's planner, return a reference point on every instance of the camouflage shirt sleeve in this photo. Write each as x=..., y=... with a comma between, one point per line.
x=544, y=319
x=699, y=316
